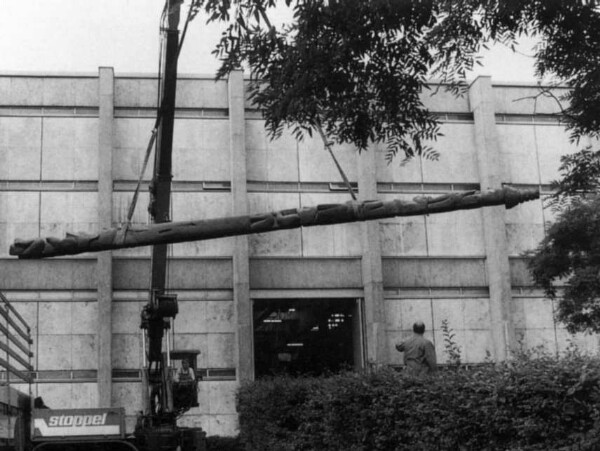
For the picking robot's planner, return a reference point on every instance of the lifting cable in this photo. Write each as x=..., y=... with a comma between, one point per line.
x=193, y=10
x=328, y=146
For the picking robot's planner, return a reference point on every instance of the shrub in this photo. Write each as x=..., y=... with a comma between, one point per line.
x=529, y=403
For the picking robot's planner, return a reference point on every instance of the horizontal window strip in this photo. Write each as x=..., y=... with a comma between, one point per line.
x=44, y=111
x=425, y=187
x=49, y=185
x=453, y=117
x=182, y=113
x=252, y=186
x=118, y=375
x=121, y=186
x=534, y=119
x=298, y=187
x=437, y=292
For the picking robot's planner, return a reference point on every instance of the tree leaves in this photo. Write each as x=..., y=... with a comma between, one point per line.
x=359, y=68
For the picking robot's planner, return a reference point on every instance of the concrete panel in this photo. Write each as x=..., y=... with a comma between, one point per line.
x=203, y=400
x=130, y=140
x=276, y=244
x=25, y=91
x=450, y=310
x=281, y=160
x=126, y=316
x=223, y=425
x=404, y=237
x=84, y=395
x=20, y=147
x=192, y=317
x=524, y=227
x=518, y=148
x=127, y=395
x=55, y=318
x=476, y=313
x=70, y=91
x=83, y=351
x=523, y=237
x=393, y=338
x=519, y=274
x=63, y=212
x=200, y=274
x=397, y=170
x=305, y=273
x=413, y=310
x=478, y=346
x=19, y=218
x=434, y=272
x=219, y=317
x=48, y=274
x=222, y=397
x=130, y=92
x=342, y=240
x=393, y=314
x=133, y=274
x=84, y=317
x=270, y=159
x=458, y=157
x=29, y=312
x=193, y=341
x=316, y=165
x=272, y=201
x=54, y=352
x=533, y=313
x=553, y=143
x=207, y=93
x=256, y=151
x=525, y=100
x=57, y=396
x=220, y=352
x=438, y=100
x=70, y=149
x=201, y=150
x=455, y=233
x=126, y=351
x=120, y=208
x=203, y=205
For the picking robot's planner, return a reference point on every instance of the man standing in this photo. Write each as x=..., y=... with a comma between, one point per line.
x=419, y=352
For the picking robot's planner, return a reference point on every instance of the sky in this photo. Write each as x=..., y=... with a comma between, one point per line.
x=78, y=36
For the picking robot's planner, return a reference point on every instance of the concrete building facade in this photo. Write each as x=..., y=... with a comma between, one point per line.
x=72, y=148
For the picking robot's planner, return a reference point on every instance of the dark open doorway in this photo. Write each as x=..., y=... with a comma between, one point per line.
x=305, y=336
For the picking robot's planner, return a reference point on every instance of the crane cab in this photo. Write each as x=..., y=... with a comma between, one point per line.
x=184, y=364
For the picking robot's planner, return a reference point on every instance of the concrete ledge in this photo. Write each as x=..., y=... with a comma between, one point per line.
x=57, y=274
x=189, y=274
x=305, y=273
x=434, y=272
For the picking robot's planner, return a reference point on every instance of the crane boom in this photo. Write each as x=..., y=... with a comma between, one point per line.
x=177, y=232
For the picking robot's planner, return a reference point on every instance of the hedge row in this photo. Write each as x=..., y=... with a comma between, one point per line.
x=542, y=403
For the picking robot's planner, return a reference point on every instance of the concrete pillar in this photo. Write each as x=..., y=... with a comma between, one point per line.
x=372, y=275
x=491, y=175
x=241, y=268
x=104, y=265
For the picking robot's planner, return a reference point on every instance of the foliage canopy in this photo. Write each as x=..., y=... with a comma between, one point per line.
x=358, y=69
